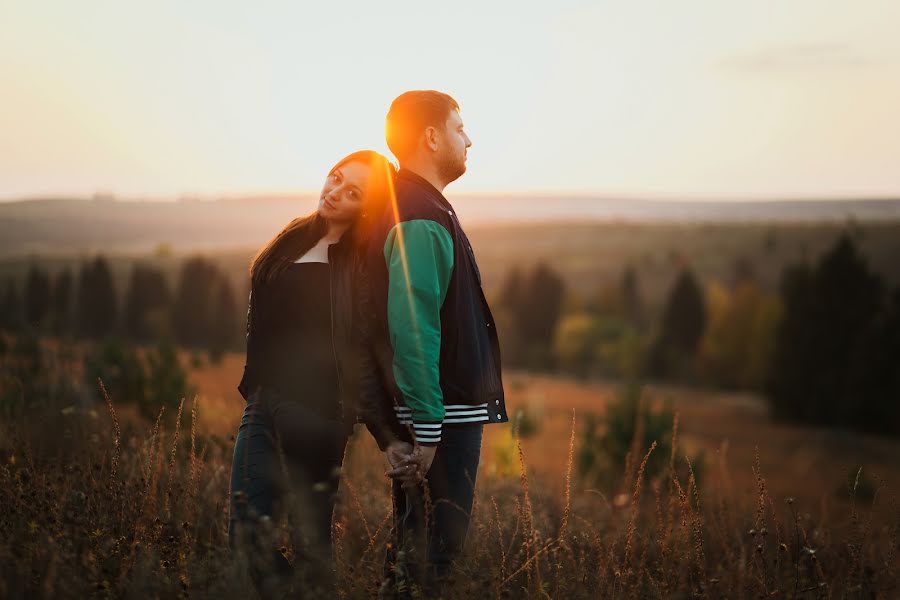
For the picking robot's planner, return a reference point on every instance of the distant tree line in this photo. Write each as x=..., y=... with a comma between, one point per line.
x=824, y=348
x=201, y=313
x=133, y=341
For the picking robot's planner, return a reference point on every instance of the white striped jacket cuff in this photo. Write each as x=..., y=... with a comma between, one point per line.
x=427, y=434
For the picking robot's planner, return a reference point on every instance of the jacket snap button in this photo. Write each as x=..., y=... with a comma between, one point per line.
x=498, y=417
x=497, y=402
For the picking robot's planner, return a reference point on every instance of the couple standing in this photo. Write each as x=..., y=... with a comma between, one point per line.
x=370, y=310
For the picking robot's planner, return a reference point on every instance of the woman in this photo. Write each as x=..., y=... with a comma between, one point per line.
x=300, y=374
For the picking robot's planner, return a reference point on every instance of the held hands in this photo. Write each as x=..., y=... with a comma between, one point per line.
x=410, y=464
x=397, y=451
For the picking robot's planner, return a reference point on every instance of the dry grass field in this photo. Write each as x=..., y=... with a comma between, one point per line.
x=809, y=464
x=103, y=504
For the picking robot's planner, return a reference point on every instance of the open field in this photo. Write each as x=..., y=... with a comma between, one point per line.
x=810, y=464
x=99, y=503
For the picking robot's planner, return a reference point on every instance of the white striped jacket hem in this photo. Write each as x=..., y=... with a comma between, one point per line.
x=430, y=433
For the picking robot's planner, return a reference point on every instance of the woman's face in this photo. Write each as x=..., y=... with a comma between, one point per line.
x=343, y=196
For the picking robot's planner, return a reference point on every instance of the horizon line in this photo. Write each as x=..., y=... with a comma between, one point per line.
x=498, y=194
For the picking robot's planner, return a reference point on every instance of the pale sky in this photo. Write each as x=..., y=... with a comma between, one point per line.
x=689, y=98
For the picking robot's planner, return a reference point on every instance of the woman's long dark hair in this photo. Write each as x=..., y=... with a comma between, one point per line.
x=303, y=233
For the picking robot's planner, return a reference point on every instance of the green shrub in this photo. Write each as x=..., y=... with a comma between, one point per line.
x=605, y=445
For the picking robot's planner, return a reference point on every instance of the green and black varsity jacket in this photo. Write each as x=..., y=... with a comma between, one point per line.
x=433, y=353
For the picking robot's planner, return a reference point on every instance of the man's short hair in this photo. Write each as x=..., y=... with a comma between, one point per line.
x=409, y=115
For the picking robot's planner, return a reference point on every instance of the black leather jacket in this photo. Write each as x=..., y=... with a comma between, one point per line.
x=348, y=327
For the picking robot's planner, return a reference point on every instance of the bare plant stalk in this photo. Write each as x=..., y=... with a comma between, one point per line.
x=697, y=526
x=527, y=563
x=194, y=480
x=358, y=505
x=674, y=444
x=150, y=483
x=116, y=431
x=528, y=514
x=512, y=538
x=500, y=539
x=370, y=547
x=568, y=506
x=762, y=495
x=338, y=534
x=637, y=440
x=635, y=507
x=171, y=473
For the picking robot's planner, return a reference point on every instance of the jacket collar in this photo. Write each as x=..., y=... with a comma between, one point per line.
x=343, y=245
x=415, y=178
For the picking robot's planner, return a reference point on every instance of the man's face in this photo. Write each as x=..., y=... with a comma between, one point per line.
x=451, y=155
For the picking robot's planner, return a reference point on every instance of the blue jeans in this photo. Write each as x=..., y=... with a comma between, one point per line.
x=286, y=459
x=436, y=530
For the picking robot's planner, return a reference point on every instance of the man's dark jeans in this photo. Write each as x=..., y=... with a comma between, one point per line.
x=431, y=520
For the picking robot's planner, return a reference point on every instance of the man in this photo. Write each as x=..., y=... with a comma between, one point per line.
x=432, y=378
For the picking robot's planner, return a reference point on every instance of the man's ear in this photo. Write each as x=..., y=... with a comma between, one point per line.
x=431, y=141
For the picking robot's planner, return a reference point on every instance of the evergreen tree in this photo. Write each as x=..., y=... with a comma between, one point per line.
x=224, y=317
x=506, y=315
x=683, y=324
x=96, y=299
x=192, y=309
x=511, y=293
x=61, y=303
x=632, y=304
x=11, y=314
x=37, y=297
x=873, y=388
x=540, y=305
x=147, y=295
x=828, y=312
x=792, y=362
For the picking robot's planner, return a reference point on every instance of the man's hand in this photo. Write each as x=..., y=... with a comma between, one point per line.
x=399, y=455
x=413, y=466
x=423, y=456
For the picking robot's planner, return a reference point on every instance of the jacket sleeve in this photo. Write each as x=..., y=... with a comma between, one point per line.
x=374, y=406
x=419, y=258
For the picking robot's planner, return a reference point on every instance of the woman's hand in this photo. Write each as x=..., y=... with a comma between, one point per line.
x=412, y=467
x=410, y=464
x=398, y=454
x=398, y=451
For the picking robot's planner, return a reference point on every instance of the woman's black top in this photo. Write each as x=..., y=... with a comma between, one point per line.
x=289, y=338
